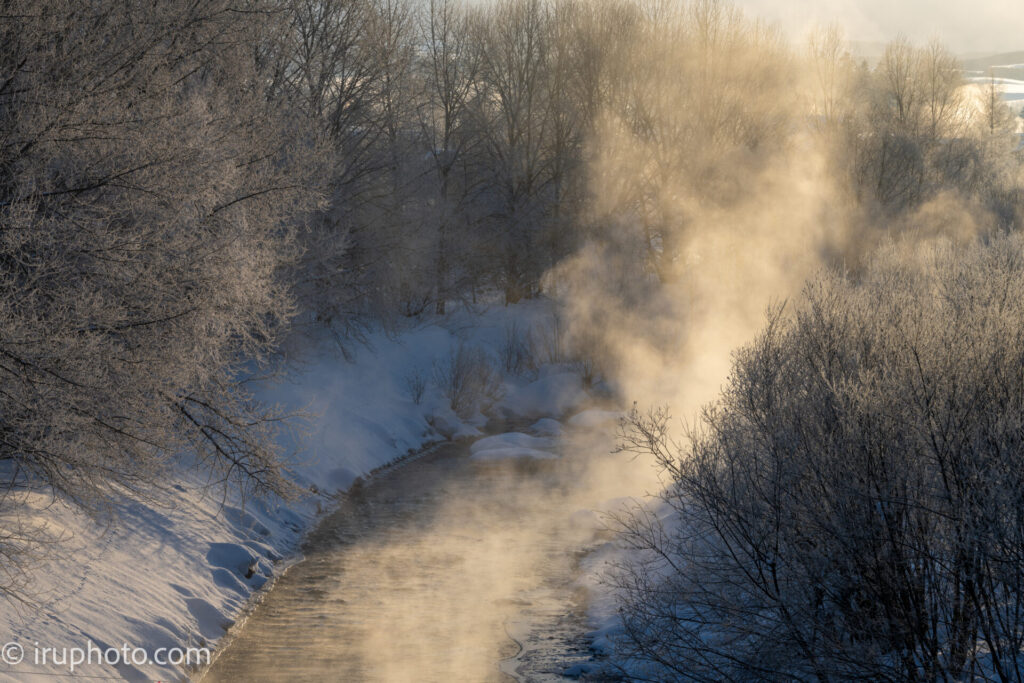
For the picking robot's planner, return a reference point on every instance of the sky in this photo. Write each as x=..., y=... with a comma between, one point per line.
x=966, y=26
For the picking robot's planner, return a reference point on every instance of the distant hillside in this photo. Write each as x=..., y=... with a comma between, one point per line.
x=1005, y=65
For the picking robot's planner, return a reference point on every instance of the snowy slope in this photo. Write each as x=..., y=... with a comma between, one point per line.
x=1010, y=89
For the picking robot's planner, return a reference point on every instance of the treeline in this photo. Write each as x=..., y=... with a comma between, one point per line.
x=477, y=146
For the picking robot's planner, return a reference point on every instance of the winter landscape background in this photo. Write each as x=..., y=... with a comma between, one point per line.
x=712, y=314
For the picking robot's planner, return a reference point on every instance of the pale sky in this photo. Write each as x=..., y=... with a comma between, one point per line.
x=987, y=26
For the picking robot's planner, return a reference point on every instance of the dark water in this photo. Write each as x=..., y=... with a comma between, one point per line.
x=442, y=569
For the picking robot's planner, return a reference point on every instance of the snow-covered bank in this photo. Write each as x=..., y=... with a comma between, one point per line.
x=514, y=445
x=599, y=570
x=176, y=572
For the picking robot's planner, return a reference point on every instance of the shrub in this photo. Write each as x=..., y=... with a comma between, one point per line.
x=548, y=341
x=517, y=352
x=852, y=506
x=416, y=385
x=469, y=381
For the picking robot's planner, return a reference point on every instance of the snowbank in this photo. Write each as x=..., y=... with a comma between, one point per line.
x=514, y=445
x=546, y=427
x=590, y=419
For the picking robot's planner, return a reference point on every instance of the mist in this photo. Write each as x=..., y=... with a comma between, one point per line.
x=967, y=28
x=730, y=166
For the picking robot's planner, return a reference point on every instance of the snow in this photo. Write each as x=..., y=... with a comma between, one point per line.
x=512, y=440
x=364, y=415
x=553, y=394
x=596, y=576
x=513, y=445
x=1011, y=90
x=513, y=454
x=581, y=669
x=594, y=418
x=546, y=427
x=178, y=572
x=170, y=576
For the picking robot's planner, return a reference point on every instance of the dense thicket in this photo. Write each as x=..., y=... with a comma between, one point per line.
x=850, y=507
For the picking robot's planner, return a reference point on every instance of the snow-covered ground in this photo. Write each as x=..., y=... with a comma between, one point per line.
x=597, y=578
x=1010, y=89
x=514, y=445
x=175, y=573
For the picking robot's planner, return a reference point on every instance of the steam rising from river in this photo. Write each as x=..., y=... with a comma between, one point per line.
x=718, y=188
x=439, y=571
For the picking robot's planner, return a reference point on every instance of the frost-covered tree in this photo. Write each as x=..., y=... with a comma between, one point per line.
x=850, y=507
x=450, y=70
x=512, y=111
x=148, y=191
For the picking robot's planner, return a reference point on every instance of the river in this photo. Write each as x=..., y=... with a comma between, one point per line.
x=444, y=568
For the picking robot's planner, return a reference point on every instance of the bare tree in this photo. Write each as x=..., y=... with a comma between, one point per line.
x=452, y=68
x=512, y=110
x=831, y=63
x=848, y=508
x=997, y=117
x=148, y=190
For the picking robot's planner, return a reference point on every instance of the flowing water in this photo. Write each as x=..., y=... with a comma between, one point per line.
x=442, y=569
